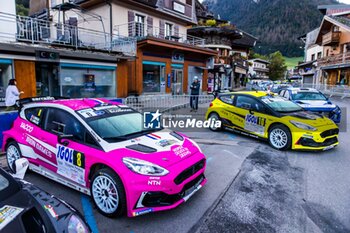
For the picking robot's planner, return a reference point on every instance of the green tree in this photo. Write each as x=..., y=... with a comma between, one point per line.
x=277, y=66
x=21, y=10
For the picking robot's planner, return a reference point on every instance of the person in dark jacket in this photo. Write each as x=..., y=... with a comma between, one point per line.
x=195, y=86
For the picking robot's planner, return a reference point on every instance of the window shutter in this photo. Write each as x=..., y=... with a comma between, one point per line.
x=161, y=28
x=150, y=26
x=131, y=19
x=176, y=30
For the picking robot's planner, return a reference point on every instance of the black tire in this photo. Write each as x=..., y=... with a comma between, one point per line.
x=280, y=137
x=10, y=157
x=110, y=175
x=215, y=117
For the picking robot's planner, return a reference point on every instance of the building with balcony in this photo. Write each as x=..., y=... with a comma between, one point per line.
x=334, y=37
x=55, y=58
x=258, y=69
x=168, y=58
x=308, y=67
x=230, y=64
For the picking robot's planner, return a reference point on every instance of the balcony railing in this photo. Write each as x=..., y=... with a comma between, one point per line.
x=331, y=38
x=260, y=69
x=142, y=31
x=36, y=31
x=338, y=59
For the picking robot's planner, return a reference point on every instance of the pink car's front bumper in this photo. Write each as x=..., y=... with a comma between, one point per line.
x=147, y=194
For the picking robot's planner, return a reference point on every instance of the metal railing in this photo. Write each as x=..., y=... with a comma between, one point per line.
x=142, y=31
x=334, y=59
x=331, y=90
x=164, y=102
x=37, y=31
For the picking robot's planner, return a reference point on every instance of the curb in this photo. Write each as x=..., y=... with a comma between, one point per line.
x=195, y=228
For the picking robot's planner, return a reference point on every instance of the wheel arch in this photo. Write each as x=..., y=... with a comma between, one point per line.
x=280, y=123
x=8, y=141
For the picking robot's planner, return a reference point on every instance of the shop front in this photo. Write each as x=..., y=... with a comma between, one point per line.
x=167, y=67
x=86, y=80
x=336, y=75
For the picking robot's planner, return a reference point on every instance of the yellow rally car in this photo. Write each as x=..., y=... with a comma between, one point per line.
x=267, y=116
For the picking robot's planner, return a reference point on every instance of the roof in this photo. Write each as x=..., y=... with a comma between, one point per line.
x=259, y=60
x=335, y=8
x=298, y=89
x=328, y=21
x=252, y=93
x=247, y=40
x=77, y=104
x=342, y=20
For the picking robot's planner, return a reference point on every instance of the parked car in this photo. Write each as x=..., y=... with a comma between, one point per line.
x=103, y=149
x=267, y=116
x=26, y=208
x=313, y=100
x=277, y=88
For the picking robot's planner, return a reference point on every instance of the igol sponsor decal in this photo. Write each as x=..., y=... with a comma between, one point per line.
x=141, y=212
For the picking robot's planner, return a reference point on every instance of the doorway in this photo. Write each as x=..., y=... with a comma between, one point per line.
x=177, y=75
x=47, y=81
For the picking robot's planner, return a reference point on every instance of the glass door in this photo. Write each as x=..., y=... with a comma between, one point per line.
x=177, y=81
x=47, y=82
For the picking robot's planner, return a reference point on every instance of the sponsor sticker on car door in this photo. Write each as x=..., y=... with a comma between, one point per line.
x=71, y=164
x=255, y=124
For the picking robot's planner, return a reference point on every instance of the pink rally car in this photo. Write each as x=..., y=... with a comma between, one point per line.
x=102, y=149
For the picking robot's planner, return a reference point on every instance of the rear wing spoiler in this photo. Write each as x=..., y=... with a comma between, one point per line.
x=28, y=100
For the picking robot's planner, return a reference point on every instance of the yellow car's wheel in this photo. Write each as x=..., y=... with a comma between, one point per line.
x=280, y=137
x=214, y=117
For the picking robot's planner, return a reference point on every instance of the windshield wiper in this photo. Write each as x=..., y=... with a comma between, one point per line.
x=131, y=135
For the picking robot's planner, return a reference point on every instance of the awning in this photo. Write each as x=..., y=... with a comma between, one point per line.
x=201, y=68
x=5, y=61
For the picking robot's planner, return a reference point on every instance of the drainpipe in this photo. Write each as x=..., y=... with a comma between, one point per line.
x=110, y=22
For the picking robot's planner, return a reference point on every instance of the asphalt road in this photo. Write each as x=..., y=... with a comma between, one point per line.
x=288, y=191
x=271, y=192
x=224, y=155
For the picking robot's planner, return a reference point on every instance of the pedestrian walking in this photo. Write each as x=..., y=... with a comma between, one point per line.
x=12, y=95
x=195, y=86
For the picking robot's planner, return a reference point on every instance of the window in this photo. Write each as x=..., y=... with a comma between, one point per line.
x=60, y=122
x=249, y=103
x=319, y=55
x=87, y=82
x=228, y=99
x=287, y=95
x=312, y=57
x=139, y=25
x=153, y=77
x=168, y=29
x=34, y=115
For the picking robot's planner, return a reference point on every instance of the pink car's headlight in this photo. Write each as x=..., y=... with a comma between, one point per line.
x=144, y=168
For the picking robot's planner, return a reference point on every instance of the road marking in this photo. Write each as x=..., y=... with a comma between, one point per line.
x=230, y=135
x=234, y=155
x=209, y=159
x=88, y=213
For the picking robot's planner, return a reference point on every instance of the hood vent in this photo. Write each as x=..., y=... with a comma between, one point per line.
x=142, y=148
x=177, y=136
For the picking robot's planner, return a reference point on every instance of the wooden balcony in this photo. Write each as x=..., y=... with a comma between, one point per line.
x=339, y=59
x=331, y=38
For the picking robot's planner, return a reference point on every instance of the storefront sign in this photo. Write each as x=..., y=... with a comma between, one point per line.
x=47, y=55
x=178, y=7
x=178, y=57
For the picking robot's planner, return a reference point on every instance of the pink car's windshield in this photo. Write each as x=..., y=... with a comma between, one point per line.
x=119, y=127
